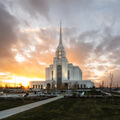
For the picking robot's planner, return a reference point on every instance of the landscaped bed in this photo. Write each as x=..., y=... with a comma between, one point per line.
x=74, y=109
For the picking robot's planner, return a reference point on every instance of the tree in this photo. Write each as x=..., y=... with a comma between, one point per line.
x=102, y=85
x=111, y=81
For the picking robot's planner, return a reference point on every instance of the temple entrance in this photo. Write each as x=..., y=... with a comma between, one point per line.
x=59, y=76
x=76, y=86
x=65, y=85
x=41, y=86
x=48, y=86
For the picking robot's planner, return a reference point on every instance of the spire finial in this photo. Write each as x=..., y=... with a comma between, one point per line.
x=60, y=42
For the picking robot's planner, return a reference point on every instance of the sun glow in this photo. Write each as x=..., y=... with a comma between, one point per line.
x=19, y=58
x=23, y=80
x=18, y=81
x=98, y=73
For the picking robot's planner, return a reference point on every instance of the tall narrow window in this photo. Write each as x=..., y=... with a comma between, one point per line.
x=52, y=75
x=59, y=76
x=59, y=54
x=68, y=75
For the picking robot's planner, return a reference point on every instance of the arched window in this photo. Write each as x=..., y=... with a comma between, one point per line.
x=41, y=86
x=48, y=86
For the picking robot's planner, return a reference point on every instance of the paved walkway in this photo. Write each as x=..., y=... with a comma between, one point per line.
x=13, y=111
x=106, y=93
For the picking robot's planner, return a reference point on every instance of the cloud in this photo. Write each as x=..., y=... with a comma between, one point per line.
x=36, y=7
x=95, y=49
x=36, y=54
x=95, y=57
x=109, y=46
x=8, y=28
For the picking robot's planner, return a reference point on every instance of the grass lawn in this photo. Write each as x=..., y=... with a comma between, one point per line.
x=73, y=109
x=6, y=103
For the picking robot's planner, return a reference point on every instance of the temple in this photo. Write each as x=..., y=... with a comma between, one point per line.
x=62, y=74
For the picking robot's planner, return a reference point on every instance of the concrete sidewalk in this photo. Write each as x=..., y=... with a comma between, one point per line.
x=13, y=111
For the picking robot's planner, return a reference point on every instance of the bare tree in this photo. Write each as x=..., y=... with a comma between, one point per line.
x=102, y=84
x=111, y=81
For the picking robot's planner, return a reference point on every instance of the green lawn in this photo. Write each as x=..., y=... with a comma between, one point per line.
x=73, y=109
x=6, y=103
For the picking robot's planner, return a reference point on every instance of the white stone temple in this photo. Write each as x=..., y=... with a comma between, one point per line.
x=62, y=74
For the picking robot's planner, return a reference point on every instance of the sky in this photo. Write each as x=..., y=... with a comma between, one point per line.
x=29, y=35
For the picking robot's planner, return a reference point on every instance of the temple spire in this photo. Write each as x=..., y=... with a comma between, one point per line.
x=60, y=39
x=60, y=52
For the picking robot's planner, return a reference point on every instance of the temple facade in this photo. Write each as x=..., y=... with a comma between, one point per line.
x=62, y=74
